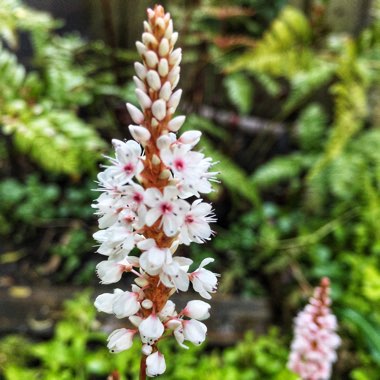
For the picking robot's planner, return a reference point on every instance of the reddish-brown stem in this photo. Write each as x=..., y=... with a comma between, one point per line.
x=143, y=367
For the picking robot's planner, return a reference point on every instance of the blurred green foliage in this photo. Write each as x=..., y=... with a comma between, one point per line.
x=293, y=205
x=77, y=351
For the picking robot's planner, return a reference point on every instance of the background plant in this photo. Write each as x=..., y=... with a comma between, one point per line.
x=300, y=188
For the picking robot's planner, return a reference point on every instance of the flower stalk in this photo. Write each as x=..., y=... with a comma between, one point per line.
x=150, y=203
x=313, y=350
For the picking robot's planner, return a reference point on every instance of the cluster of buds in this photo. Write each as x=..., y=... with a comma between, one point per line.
x=313, y=349
x=150, y=203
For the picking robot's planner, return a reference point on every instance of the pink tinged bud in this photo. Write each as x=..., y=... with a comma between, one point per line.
x=153, y=80
x=143, y=99
x=194, y=331
x=169, y=30
x=164, y=47
x=166, y=91
x=173, y=76
x=104, y=302
x=159, y=109
x=140, y=134
x=155, y=364
x=141, y=70
x=150, y=13
x=163, y=67
x=190, y=137
x=136, y=115
x=109, y=271
x=151, y=59
x=146, y=349
x=125, y=304
x=173, y=324
x=174, y=38
x=139, y=83
x=176, y=123
x=120, y=340
x=141, y=48
x=148, y=38
x=197, y=309
x=151, y=329
x=175, y=57
x=168, y=310
x=135, y=320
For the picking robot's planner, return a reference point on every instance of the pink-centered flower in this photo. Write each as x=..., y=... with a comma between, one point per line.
x=195, y=227
x=313, y=350
x=166, y=206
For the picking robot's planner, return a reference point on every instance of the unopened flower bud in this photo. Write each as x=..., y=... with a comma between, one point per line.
x=163, y=49
x=163, y=67
x=153, y=80
x=151, y=59
x=166, y=91
x=147, y=304
x=136, y=115
x=176, y=123
x=141, y=70
x=143, y=99
x=159, y=109
x=139, y=133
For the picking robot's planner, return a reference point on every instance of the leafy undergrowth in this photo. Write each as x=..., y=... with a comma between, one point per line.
x=78, y=351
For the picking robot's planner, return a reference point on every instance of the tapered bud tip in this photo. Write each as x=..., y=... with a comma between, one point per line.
x=136, y=115
x=176, y=123
x=140, y=134
x=325, y=282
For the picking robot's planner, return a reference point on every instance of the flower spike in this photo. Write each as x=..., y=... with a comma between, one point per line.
x=144, y=205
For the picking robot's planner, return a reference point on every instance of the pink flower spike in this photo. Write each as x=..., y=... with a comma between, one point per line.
x=313, y=350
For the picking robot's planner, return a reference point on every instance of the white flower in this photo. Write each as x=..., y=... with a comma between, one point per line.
x=155, y=364
x=152, y=260
x=115, y=241
x=167, y=206
x=194, y=331
x=111, y=271
x=125, y=304
x=174, y=272
x=120, y=340
x=204, y=281
x=108, y=206
x=197, y=309
x=151, y=329
x=167, y=311
x=196, y=227
x=104, y=301
x=127, y=163
x=191, y=168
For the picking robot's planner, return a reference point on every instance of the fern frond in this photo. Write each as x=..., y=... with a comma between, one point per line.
x=57, y=140
x=15, y=15
x=284, y=49
x=350, y=107
x=281, y=169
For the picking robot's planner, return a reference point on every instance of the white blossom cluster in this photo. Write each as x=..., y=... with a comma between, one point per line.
x=150, y=203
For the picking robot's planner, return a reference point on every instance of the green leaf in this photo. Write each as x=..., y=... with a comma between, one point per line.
x=240, y=91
